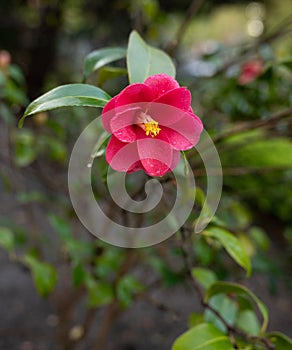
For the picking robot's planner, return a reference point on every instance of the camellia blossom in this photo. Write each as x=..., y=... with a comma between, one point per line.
x=150, y=123
x=250, y=71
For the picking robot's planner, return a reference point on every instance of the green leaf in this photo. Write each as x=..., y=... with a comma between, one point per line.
x=126, y=288
x=44, y=275
x=232, y=245
x=101, y=57
x=195, y=319
x=106, y=73
x=25, y=150
x=281, y=341
x=144, y=60
x=100, y=294
x=234, y=288
x=204, y=276
x=227, y=309
x=248, y=322
x=78, y=273
x=67, y=95
x=6, y=239
x=203, y=337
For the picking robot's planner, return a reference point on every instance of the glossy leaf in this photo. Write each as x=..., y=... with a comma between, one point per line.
x=232, y=245
x=203, y=337
x=107, y=73
x=44, y=275
x=99, y=58
x=144, y=60
x=67, y=96
x=6, y=239
x=281, y=341
x=234, y=288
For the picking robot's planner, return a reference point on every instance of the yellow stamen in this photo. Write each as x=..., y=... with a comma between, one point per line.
x=151, y=128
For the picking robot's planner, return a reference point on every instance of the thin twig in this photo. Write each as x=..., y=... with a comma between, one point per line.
x=193, y=9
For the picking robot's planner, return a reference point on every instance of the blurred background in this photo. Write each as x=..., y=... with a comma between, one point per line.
x=55, y=279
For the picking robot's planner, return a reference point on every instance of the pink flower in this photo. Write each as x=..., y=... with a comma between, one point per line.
x=150, y=124
x=250, y=71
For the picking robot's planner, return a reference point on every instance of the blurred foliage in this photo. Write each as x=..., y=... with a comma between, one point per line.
x=256, y=158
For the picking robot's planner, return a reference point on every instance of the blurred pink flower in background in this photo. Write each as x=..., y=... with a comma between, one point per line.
x=5, y=60
x=150, y=123
x=250, y=71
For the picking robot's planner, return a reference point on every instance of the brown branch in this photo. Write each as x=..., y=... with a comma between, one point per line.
x=113, y=310
x=243, y=127
x=193, y=9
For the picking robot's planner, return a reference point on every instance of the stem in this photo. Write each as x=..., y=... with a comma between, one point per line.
x=111, y=315
x=232, y=331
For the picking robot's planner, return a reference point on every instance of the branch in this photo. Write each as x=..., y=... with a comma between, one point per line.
x=271, y=120
x=232, y=331
x=191, y=12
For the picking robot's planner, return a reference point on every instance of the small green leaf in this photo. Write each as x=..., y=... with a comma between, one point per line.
x=234, y=288
x=107, y=73
x=78, y=273
x=126, y=288
x=248, y=322
x=281, y=341
x=65, y=96
x=144, y=60
x=204, y=276
x=6, y=239
x=232, y=245
x=44, y=275
x=203, y=337
x=99, y=294
x=99, y=58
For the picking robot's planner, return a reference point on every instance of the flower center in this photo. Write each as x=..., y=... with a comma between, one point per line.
x=149, y=125
x=151, y=128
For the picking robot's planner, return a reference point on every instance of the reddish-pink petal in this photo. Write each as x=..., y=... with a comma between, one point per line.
x=160, y=84
x=184, y=134
x=155, y=155
x=180, y=98
x=108, y=112
x=122, y=124
x=122, y=156
x=134, y=93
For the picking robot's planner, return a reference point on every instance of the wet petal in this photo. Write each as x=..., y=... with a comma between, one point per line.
x=155, y=155
x=134, y=93
x=122, y=156
x=184, y=134
x=122, y=124
x=160, y=84
x=180, y=98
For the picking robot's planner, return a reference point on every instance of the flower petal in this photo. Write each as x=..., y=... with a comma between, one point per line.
x=134, y=93
x=160, y=84
x=184, y=134
x=180, y=98
x=122, y=124
x=155, y=155
x=122, y=156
